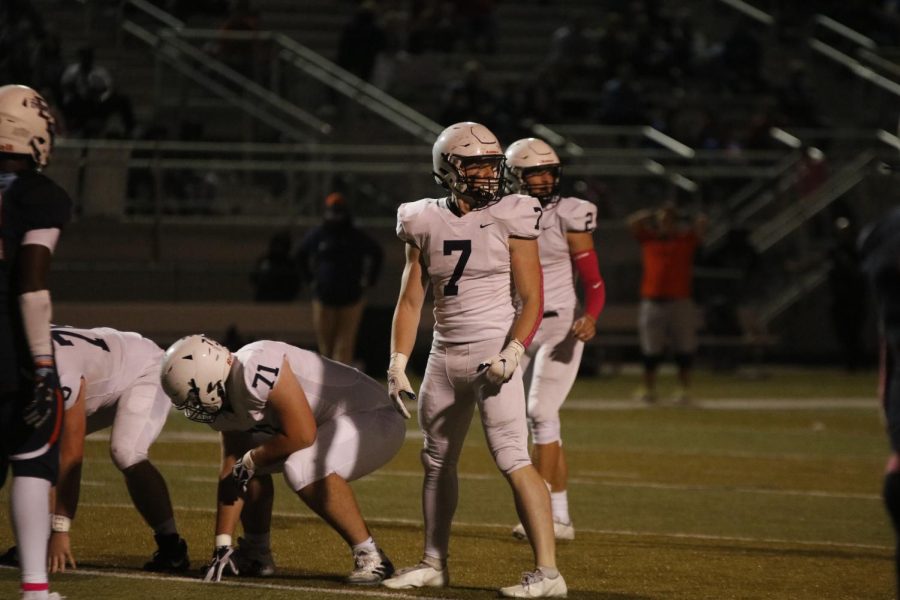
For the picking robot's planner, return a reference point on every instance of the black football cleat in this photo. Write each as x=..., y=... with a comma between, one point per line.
x=170, y=557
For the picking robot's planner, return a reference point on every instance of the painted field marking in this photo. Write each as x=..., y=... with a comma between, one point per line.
x=355, y=592
x=506, y=527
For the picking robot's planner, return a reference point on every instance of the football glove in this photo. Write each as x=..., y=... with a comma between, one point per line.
x=399, y=387
x=39, y=407
x=500, y=368
x=220, y=562
x=243, y=470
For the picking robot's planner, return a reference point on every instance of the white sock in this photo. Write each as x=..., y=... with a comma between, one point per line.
x=366, y=546
x=31, y=521
x=42, y=595
x=559, y=503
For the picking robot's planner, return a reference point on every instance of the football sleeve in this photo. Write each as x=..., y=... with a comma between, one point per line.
x=46, y=206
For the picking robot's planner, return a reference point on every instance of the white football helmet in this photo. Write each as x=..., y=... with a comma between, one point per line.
x=460, y=147
x=194, y=373
x=26, y=125
x=531, y=155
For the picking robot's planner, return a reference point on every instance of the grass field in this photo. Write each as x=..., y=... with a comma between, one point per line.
x=764, y=488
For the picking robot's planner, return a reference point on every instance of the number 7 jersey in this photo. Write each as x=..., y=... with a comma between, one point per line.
x=467, y=261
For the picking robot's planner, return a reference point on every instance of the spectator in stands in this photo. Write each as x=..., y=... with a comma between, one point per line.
x=667, y=308
x=879, y=249
x=276, y=277
x=341, y=262
x=362, y=40
x=89, y=98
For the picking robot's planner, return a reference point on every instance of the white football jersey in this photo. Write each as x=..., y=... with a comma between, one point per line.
x=467, y=259
x=109, y=360
x=567, y=215
x=331, y=388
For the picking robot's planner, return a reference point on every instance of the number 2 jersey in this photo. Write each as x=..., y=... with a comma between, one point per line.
x=568, y=215
x=468, y=263
x=110, y=361
x=28, y=201
x=331, y=388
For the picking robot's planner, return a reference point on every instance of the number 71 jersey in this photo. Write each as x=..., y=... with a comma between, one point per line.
x=468, y=263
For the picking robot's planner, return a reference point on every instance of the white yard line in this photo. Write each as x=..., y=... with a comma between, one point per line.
x=736, y=404
x=651, y=485
x=354, y=591
x=505, y=527
x=720, y=404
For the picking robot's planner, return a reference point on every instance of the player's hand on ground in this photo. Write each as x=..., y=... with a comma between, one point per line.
x=243, y=470
x=46, y=393
x=500, y=368
x=399, y=387
x=59, y=553
x=221, y=563
x=584, y=328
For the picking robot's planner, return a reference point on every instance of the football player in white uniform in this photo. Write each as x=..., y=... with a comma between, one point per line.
x=476, y=249
x=550, y=364
x=280, y=408
x=110, y=378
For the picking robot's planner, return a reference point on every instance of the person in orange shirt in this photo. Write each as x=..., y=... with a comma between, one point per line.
x=667, y=309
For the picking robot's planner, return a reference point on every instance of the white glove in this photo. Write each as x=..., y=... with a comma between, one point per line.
x=398, y=383
x=500, y=368
x=220, y=562
x=243, y=470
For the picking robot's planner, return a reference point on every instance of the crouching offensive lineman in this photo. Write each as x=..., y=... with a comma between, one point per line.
x=110, y=378
x=280, y=408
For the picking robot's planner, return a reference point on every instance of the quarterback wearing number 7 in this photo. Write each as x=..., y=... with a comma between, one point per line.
x=281, y=408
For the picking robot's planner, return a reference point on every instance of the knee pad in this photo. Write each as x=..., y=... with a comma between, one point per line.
x=125, y=457
x=651, y=361
x=509, y=459
x=891, y=495
x=545, y=431
x=684, y=361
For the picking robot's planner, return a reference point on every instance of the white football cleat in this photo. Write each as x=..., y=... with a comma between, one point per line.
x=371, y=568
x=537, y=585
x=561, y=531
x=421, y=575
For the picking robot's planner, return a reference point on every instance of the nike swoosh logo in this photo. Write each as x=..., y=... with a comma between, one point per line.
x=546, y=228
x=483, y=225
